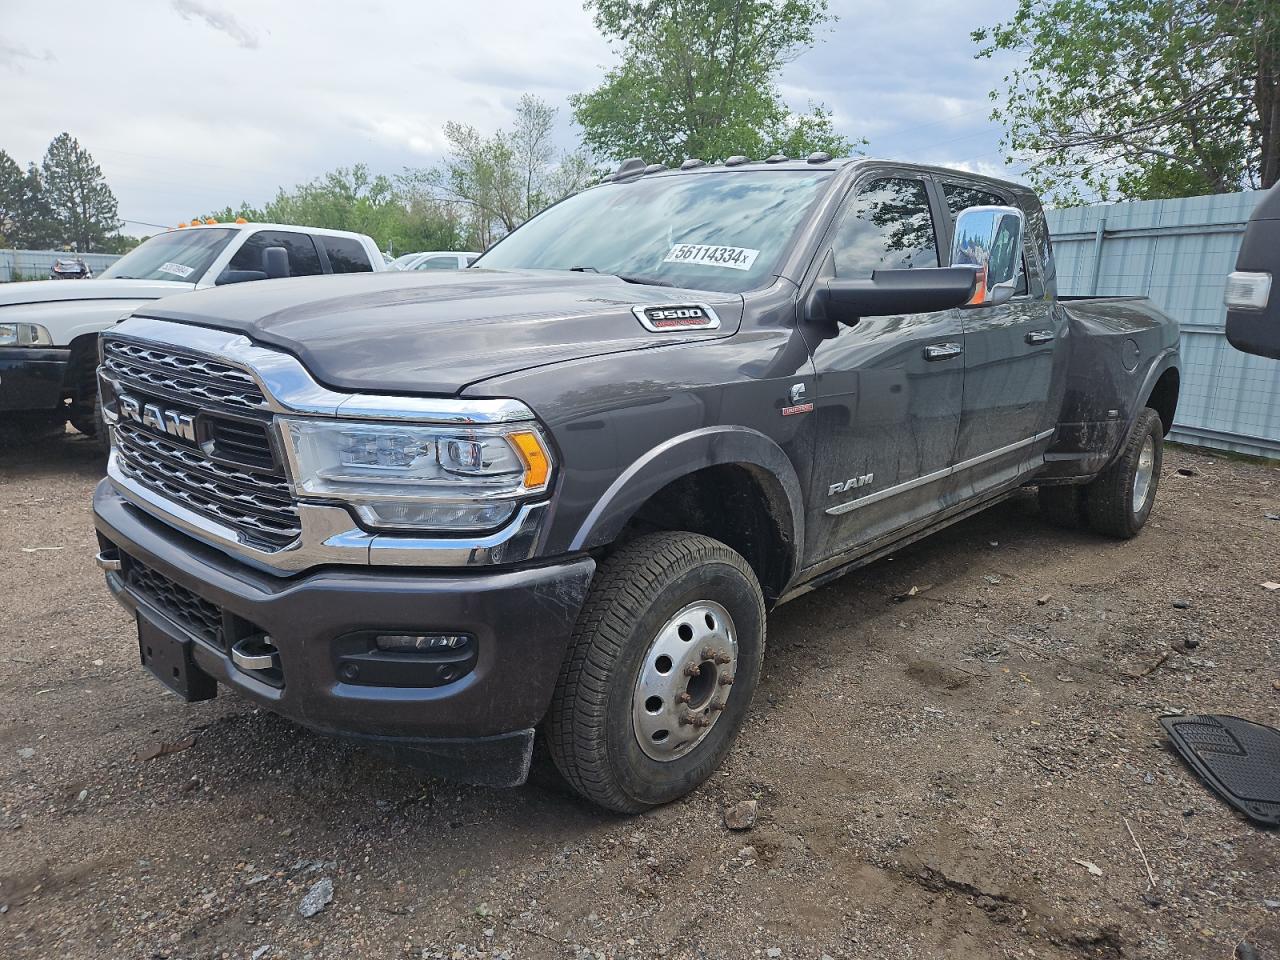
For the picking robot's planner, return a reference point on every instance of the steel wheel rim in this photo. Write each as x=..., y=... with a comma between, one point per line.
x=1143, y=475
x=684, y=681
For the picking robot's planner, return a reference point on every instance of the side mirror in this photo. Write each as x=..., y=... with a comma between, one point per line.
x=890, y=292
x=990, y=238
x=238, y=276
x=275, y=262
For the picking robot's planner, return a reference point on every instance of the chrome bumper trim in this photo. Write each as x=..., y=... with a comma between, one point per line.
x=330, y=536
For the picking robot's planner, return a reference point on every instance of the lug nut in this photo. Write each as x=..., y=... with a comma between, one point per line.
x=692, y=669
x=684, y=697
x=726, y=680
x=716, y=705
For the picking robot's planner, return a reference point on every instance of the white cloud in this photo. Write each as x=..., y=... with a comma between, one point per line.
x=184, y=121
x=219, y=20
x=12, y=55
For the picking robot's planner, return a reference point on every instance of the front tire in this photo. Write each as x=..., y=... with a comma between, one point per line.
x=1119, y=500
x=660, y=672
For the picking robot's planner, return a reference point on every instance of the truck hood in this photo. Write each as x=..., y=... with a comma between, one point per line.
x=423, y=333
x=99, y=288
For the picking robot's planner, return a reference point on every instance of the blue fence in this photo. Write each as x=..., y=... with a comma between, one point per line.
x=35, y=264
x=1178, y=253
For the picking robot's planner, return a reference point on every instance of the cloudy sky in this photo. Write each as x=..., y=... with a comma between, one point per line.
x=189, y=105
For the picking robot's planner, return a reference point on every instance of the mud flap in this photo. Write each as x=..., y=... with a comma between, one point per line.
x=1239, y=760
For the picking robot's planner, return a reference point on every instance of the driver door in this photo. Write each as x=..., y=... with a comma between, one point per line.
x=888, y=389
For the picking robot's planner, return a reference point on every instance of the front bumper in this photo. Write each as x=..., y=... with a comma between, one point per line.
x=31, y=378
x=478, y=728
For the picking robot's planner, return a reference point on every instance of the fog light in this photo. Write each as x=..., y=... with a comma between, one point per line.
x=421, y=642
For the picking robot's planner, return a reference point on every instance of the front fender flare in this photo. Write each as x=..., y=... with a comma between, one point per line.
x=685, y=454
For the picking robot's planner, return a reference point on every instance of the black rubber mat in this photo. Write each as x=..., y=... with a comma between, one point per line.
x=1238, y=759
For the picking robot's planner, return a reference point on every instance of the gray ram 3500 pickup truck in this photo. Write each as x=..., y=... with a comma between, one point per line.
x=561, y=490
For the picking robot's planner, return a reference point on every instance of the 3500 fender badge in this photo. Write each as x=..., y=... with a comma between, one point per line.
x=682, y=316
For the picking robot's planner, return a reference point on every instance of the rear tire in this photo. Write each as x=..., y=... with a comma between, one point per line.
x=1119, y=501
x=1063, y=506
x=634, y=616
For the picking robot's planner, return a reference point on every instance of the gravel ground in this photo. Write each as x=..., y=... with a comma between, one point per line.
x=953, y=775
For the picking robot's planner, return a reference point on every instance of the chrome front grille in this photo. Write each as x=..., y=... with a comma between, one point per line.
x=229, y=473
x=181, y=376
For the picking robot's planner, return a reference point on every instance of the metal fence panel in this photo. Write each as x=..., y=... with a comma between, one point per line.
x=35, y=264
x=1178, y=253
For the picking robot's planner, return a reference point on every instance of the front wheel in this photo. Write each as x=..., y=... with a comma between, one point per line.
x=660, y=672
x=1119, y=501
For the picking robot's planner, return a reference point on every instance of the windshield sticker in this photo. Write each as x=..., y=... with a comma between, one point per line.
x=708, y=255
x=177, y=269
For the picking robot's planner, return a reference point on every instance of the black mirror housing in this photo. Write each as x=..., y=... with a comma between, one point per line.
x=891, y=292
x=275, y=263
x=238, y=276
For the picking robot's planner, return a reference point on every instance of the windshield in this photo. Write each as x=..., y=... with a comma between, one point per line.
x=710, y=231
x=176, y=255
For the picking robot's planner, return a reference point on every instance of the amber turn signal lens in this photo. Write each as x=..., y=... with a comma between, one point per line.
x=537, y=466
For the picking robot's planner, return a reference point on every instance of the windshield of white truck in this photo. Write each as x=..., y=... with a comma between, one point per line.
x=721, y=231
x=176, y=255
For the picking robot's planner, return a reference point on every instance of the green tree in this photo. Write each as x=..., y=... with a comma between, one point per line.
x=698, y=78
x=503, y=179
x=1141, y=99
x=25, y=218
x=395, y=212
x=82, y=205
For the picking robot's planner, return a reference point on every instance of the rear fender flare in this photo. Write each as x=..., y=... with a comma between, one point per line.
x=688, y=453
x=1166, y=359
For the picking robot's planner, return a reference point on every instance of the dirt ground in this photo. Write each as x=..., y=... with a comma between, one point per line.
x=954, y=775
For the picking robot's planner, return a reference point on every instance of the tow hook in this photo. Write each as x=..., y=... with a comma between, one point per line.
x=255, y=652
x=109, y=560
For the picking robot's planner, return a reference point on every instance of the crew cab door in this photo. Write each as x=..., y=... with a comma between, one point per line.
x=1014, y=364
x=888, y=389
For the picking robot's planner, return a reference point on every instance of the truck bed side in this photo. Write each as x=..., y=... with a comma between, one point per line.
x=1123, y=357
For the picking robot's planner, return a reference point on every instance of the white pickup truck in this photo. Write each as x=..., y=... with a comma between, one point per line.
x=49, y=328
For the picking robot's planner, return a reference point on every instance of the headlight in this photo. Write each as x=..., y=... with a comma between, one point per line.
x=24, y=335
x=398, y=475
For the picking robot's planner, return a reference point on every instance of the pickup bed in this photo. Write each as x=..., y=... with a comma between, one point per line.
x=49, y=329
x=560, y=491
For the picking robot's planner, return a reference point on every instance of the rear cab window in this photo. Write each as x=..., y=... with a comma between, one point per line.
x=346, y=255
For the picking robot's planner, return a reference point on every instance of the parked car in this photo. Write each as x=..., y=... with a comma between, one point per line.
x=70, y=268
x=1253, y=300
x=434, y=260
x=563, y=491
x=49, y=331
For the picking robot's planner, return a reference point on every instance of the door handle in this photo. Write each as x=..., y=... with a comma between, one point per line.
x=942, y=351
x=1039, y=336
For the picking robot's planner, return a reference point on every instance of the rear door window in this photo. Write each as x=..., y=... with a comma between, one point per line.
x=346, y=255
x=887, y=226
x=304, y=261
